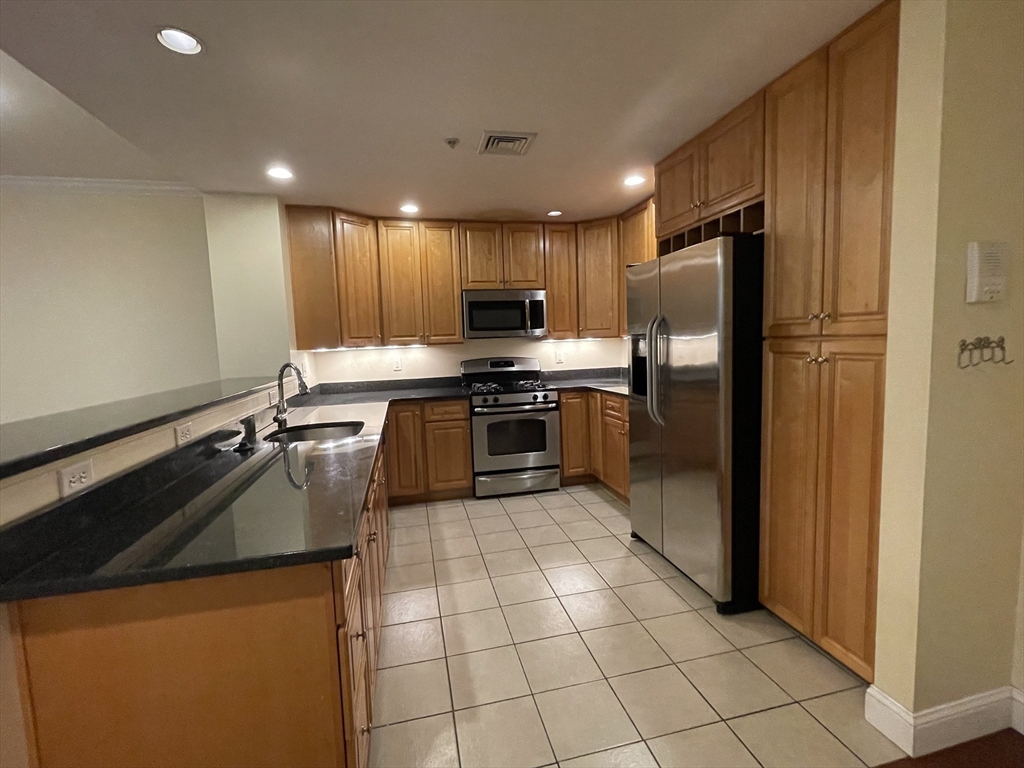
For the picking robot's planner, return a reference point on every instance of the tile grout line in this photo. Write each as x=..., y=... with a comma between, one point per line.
x=444, y=641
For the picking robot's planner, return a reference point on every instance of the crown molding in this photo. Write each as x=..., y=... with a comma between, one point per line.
x=102, y=186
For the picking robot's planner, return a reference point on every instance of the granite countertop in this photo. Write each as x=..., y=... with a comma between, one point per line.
x=30, y=443
x=247, y=516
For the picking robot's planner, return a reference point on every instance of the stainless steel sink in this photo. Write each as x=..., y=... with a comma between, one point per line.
x=302, y=433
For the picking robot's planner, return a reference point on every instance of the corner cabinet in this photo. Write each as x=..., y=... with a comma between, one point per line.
x=820, y=492
x=314, y=282
x=404, y=431
x=598, y=269
x=356, y=257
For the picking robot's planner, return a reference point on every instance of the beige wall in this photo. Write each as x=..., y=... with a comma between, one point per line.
x=443, y=360
x=247, y=267
x=950, y=552
x=103, y=295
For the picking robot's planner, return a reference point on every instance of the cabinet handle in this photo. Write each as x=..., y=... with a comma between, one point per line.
x=359, y=635
x=811, y=361
x=372, y=536
x=357, y=554
x=364, y=729
x=694, y=205
x=812, y=316
x=822, y=360
x=825, y=316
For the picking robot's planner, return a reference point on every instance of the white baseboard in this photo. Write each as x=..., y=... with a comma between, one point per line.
x=918, y=733
x=1018, y=710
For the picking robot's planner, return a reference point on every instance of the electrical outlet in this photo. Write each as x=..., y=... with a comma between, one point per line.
x=398, y=364
x=559, y=357
x=304, y=367
x=183, y=433
x=75, y=478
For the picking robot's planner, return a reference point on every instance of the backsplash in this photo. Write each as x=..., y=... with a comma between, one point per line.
x=443, y=360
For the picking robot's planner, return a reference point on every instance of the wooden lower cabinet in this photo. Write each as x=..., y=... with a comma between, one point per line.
x=615, y=449
x=430, y=449
x=821, y=488
x=575, y=429
x=596, y=448
x=264, y=668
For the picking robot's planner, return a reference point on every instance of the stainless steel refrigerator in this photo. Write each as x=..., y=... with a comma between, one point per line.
x=694, y=321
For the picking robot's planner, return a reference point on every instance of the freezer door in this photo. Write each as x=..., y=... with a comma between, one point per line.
x=642, y=305
x=696, y=338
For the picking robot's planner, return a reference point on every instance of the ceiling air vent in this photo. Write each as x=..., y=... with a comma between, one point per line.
x=505, y=143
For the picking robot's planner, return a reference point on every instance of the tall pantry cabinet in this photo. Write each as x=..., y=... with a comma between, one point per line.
x=829, y=126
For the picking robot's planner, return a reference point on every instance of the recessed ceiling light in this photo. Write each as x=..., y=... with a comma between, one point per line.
x=410, y=208
x=554, y=213
x=632, y=181
x=279, y=171
x=178, y=41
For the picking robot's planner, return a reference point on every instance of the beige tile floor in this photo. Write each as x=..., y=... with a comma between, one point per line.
x=532, y=631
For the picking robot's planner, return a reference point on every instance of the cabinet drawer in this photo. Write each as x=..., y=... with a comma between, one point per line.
x=614, y=406
x=446, y=410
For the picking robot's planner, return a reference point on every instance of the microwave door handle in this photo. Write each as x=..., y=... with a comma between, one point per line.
x=526, y=309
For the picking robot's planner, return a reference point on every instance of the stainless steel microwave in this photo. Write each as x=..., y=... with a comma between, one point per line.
x=496, y=314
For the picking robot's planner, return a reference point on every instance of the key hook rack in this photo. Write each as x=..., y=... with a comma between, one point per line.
x=982, y=350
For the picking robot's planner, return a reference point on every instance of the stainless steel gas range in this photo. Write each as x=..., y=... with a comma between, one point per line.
x=515, y=423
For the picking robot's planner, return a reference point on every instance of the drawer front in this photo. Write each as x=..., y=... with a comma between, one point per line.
x=446, y=410
x=614, y=406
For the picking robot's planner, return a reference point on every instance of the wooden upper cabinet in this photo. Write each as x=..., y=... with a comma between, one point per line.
x=442, y=282
x=314, y=282
x=637, y=244
x=560, y=268
x=795, y=120
x=575, y=423
x=789, y=458
x=483, y=265
x=732, y=158
x=523, y=247
x=677, y=189
x=401, y=282
x=405, y=449
x=355, y=250
x=858, y=178
x=598, y=268
x=849, y=497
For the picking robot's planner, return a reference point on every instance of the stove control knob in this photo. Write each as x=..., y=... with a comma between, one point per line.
x=495, y=400
x=535, y=397
x=485, y=401
x=545, y=397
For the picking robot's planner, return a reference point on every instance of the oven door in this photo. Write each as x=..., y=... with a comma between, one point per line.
x=497, y=314
x=505, y=439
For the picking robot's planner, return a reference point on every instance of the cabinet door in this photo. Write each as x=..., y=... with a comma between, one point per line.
x=596, y=434
x=482, y=263
x=789, y=474
x=371, y=589
x=616, y=449
x=732, y=158
x=405, y=449
x=355, y=249
x=523, y=246
x=442, y=282
x=795, y=119
x=849, y=495
x=401, y=282
x=575, y=428
x=449, y=455
x=677, y=189
x=314, y=282
x=597, y=264
x=637, y=244
x=858, y=176
x=560, y=268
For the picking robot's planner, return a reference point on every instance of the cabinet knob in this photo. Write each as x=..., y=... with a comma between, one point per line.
x=811, y=361
x=825, y=315
x=812, y=316
x=822, y=360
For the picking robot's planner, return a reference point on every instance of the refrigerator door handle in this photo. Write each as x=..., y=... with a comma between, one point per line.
x=654, y=369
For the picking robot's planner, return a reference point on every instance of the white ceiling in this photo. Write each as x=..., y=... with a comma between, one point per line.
x=44, y=133
x=358, y=97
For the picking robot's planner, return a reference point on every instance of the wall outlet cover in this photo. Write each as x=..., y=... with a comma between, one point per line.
x=398, y=364
x=75, y=478
x=183, y=433
x=559, y=357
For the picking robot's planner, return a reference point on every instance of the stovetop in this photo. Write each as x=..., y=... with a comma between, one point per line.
x=495, y=387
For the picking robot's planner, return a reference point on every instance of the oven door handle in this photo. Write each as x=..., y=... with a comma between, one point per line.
x=517, y=408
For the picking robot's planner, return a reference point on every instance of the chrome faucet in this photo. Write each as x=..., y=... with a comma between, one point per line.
x=281, y=419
